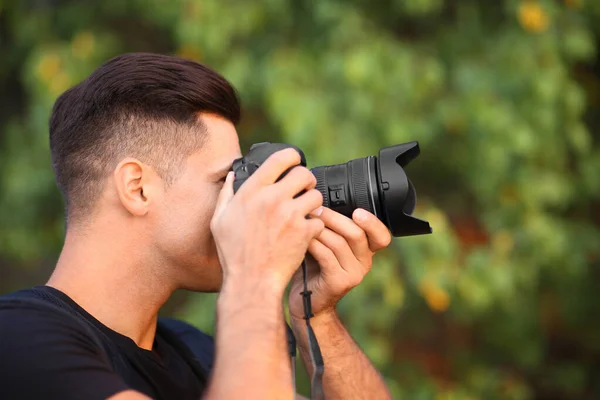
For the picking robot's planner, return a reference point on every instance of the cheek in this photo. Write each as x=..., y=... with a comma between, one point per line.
x=186, y=222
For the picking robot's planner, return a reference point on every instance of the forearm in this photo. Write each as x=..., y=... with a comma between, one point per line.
x=348, y=372
x=251, y=347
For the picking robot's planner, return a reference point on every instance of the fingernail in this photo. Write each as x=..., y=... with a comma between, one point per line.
x=318, y=212
x=361, y=214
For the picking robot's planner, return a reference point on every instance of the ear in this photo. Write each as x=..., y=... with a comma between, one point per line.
x=134, y=183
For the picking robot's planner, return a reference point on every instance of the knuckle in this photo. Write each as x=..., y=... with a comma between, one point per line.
x=294, y=155
x=310, y=178
x=320, y=225
x=280, y=156
x=288, y=156
x=357, y=235
x=303, y=175
x=293, y=174
x=317, y=227
x=276, y=161
x=297, y=173
x=315, y=197
x=319, y=196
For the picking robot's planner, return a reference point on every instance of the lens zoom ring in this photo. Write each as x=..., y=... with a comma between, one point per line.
x=359, y=184
x=319, y=173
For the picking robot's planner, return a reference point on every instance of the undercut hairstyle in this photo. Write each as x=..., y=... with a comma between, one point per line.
x=138, y=105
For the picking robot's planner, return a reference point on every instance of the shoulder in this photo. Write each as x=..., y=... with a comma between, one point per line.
x=200, y=344
x=33, y=328
x=34, y=321
x=44, y=352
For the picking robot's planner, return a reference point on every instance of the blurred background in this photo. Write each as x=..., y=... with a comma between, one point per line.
x=503, y=300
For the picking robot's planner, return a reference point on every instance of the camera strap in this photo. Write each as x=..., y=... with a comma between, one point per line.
x=315, y=351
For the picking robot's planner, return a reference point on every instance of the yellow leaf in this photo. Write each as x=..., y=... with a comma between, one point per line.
x=436, y=297
x=532, y=16
x=48, y=67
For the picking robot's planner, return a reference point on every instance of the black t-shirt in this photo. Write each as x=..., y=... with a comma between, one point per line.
x=45, y=355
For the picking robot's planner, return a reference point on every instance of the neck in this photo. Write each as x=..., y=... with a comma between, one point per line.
x=112, y=280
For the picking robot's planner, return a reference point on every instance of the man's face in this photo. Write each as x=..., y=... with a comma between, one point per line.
x=181, y=223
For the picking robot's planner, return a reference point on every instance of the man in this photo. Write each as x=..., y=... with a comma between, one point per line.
x=142, y=151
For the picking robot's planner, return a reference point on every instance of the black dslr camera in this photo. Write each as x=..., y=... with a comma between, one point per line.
x=377, y=184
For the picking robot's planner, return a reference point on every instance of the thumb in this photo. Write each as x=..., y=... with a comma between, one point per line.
x=377, y=233
x=226, y=194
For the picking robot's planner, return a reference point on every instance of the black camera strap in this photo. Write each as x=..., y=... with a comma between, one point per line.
x=316, y=392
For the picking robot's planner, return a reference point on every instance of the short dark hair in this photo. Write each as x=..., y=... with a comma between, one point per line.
x=141, y=105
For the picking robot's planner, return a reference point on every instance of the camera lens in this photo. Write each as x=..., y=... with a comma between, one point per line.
x=376, y=184
x=346, y=187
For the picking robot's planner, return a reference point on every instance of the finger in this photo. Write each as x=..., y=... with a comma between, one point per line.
x=350, y=231
x=342, y=251
x=297, y=180
x=274, y=166
x=225, y=195
x=308, y=202
x=315, y=228
x=325, y=258
x=378, y=234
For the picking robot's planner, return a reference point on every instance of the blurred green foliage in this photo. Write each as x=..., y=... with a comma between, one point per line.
x=503, y=300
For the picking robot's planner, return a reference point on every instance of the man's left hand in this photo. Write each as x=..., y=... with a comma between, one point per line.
x=338, y=259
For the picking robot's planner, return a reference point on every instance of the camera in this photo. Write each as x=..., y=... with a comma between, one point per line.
x=376, y=184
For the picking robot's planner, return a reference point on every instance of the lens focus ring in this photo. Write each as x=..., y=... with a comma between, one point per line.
x=319, y=173
x=358, y=176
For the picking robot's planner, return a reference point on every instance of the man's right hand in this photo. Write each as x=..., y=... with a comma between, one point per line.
x=262, y=233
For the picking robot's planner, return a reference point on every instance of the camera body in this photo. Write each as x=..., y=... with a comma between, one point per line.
x=377, y=184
